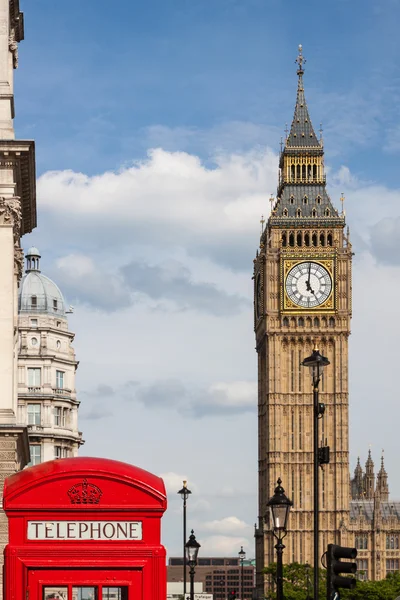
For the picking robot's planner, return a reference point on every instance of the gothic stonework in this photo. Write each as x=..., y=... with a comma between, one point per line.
x=303, y=293
x=305, y=262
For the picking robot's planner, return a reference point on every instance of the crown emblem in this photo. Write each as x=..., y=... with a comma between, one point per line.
x=84, y=493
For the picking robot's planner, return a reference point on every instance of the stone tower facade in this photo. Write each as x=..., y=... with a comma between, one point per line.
x=302, y=291
x=47, y=401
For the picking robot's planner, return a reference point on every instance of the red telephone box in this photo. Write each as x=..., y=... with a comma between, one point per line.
x=84, y=529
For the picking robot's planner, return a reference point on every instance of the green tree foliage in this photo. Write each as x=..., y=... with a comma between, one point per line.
x=298, y=585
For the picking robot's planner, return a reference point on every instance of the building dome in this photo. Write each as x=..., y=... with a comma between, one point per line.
x=37, y=293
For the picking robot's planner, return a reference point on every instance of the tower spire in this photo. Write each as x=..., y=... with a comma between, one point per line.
x=302, y=133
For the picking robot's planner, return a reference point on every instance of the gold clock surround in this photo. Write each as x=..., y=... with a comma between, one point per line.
x=287, y=263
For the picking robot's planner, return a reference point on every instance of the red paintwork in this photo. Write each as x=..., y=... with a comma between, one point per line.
x=40, y=493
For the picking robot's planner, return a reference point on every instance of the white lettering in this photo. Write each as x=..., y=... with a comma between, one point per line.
x=85, y=530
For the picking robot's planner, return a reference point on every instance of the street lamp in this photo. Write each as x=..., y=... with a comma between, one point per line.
x=192, y=549
x=184, y=492
x=242, y=557
x=279, y=506
x=316, y=363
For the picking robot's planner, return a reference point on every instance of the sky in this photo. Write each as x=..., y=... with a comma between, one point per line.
x=157, y=128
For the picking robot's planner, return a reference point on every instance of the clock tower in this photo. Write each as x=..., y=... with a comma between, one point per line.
x=302, y=289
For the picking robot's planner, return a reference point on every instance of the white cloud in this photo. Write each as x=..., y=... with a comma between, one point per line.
x=173, y=482
x=222, y=545
x=227, y=526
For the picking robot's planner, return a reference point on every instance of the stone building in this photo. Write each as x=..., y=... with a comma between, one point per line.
x=47, y=401
x=219, y=576
x=303, y=293
x=17, y=217
x=374, y=522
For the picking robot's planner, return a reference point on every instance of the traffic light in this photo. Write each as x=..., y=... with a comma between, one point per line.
x=335, y=567
x=232, y=595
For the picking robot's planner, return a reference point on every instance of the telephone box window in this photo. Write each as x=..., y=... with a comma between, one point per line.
x=55, y=593
x=84, y=593
x=115, y=593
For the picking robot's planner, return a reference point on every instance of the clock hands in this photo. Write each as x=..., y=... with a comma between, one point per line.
x=308, y=282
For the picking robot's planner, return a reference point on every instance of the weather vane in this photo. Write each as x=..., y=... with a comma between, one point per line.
x=342, y=201
x=300, y=60
x=262, y=221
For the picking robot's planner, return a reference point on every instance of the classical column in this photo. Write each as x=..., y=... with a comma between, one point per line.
x=17, y=217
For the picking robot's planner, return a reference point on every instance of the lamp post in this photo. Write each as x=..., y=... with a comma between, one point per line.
x=184, y=492
x=192, y=549
x=316, y=362
x=279, y=506
x=242, y=557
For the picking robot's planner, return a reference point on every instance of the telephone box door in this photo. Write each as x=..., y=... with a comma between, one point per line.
x=77, y=584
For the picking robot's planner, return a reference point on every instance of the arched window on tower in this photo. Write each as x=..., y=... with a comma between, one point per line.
x=284, y=239
x=331, y=322
x=299, y=240
x=314, y=212
x=322, y=239
x=298, y=171
x=298, y=212
x=292, y=199
x=307, y=239
x=329, y=240
x=316, y=322
x=318, y=199
x=285, y=322
x=301, y=322
x=327, y=212
x=308, y=322
x=285, y=212
x=314, y=239
x=303, y=172
x=291, y=240
x=305, y=200
x=315, y=172
x=309, y=174
x=293, y=172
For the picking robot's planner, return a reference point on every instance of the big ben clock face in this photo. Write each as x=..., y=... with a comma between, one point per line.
x=308, y=284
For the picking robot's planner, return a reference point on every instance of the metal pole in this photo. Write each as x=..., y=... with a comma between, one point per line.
x=184, y=544
x=191, y=582
x=242, y=592
x=316, y=489
x=279, y=570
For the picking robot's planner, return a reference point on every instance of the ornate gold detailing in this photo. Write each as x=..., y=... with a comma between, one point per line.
x=287, y=264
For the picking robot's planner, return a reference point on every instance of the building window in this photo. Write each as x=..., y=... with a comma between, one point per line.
x=36, y=454
x=34, y=414
x=392, y=565
x=60, y=380
x=362, y=569
x=34, y=301
x=58, y=416
x=58, y=323
x=361, y=542
x=34, y=322
x=392, y=542
x=34, y=377
x=55, y=306
x=57, y=452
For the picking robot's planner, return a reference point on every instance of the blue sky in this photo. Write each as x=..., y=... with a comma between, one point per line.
x=157, y=127
x=94, y=80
